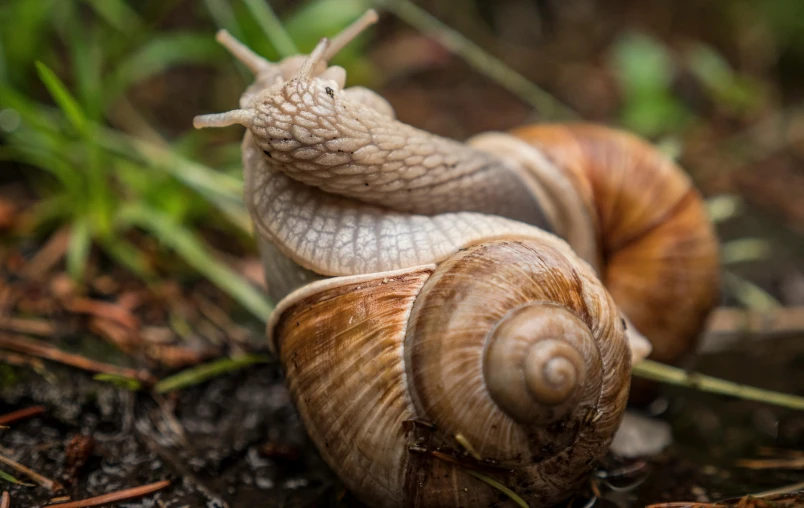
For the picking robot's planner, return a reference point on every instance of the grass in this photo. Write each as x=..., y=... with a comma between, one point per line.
x=105, y=170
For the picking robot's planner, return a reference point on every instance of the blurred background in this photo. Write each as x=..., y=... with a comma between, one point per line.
x=124, y=241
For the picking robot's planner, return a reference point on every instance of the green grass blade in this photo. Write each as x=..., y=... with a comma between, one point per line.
x=200, y=373
x=117, y=13
x=273, y=28
x=222, y=13
x=129, y=256
x=195, y=254
x=78, y=248
x=548, y=106
x=744, y=250
x=160, y=53
x=63, y=98
x=221, y=190
x=122, y=382
x=748, y=293
x=499, y=486
x=10, y=479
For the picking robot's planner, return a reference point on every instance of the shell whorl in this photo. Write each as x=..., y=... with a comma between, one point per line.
x=486, y=360
x=366, y=354
x=658, y=249
x=535, y=362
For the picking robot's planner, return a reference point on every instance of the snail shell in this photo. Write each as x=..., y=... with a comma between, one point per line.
x=420, y=282
x=513, y=345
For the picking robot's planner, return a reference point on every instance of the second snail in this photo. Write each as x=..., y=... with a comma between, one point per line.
x=453, y=307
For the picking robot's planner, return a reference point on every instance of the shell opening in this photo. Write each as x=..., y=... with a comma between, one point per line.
x=535, y=366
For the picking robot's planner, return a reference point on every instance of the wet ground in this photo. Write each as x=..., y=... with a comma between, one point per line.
x=235, y=441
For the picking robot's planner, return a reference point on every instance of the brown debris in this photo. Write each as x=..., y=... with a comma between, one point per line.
x=5, y=500
x=78, y=452
x=115, y=497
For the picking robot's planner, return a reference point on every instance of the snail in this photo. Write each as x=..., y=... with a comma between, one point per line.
x=450, y=309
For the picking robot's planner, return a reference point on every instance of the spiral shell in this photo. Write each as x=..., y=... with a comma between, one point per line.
x=657, y=248
x=512, y=345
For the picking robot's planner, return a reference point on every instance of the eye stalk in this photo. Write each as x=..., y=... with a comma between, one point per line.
x=323, y=52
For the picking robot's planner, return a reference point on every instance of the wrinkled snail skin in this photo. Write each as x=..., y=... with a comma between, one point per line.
x=426, y=311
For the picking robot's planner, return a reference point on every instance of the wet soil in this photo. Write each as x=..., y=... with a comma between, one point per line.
x=236, y=441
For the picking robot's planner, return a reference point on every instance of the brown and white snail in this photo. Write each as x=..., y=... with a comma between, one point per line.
x=430, y=321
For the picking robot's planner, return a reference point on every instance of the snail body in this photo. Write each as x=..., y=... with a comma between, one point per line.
x=432, y=322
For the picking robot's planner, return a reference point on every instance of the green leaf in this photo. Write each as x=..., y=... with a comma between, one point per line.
x=200, y=373
x=78, y=248
x=324, y=18
x=642, y=64
x=195, y=254
x=63, y=98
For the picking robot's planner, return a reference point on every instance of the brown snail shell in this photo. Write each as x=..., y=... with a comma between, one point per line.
x=512, y=345
x=426, y=327
x=658, y=249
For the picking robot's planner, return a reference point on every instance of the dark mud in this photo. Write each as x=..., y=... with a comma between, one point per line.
x=236, y=440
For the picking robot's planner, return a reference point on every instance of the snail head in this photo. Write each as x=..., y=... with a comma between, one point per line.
x=296, y=83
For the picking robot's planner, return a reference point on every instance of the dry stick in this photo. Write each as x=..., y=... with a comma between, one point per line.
x=548, y=106
x=21, y=414
x=115, y=497
x=5, y=500
x=45, y=482
x=50, y=352
x=672, y=375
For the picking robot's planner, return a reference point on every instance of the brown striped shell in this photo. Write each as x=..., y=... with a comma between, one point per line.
x=657, y=248
x=510, y=349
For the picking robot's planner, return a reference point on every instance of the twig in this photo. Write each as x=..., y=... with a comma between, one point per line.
x=49, y=352
x=45, y=482
x=5, y=500
x=115, y=497
x=672, y=375
x=548, y=106
x=16, y=416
